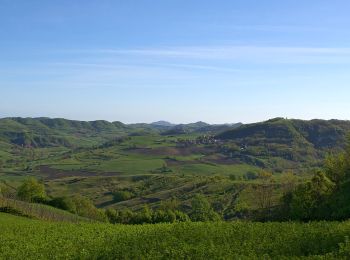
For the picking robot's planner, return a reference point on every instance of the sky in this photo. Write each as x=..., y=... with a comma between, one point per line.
x=219, y=61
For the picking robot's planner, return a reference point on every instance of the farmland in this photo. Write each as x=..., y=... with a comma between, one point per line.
x=157, y=162
x=31, y=239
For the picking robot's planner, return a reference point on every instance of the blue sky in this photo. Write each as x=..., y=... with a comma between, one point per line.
x=177, y=60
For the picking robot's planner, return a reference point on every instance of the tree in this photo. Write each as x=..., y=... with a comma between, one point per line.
x=336, y=167
x=202, y=210
x=309, y=200
x=31, y=190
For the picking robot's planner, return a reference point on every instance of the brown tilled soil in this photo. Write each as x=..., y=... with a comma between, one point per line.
x=172, y=151
x=170, y=162
x=227, y=161
x=51, y=174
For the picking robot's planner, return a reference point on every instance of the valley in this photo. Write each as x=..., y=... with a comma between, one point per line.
x=158, y=162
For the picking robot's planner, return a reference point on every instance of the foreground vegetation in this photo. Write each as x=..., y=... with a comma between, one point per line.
x=23, y=238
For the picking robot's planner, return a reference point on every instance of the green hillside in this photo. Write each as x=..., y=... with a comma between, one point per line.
x=45, y=132
x=318, y=133
x=282, y=143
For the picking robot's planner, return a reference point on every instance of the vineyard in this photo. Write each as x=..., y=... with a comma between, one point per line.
x=23, y=238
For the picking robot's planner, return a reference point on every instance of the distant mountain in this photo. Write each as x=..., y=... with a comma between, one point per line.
x=162, y=123
x=200, y=127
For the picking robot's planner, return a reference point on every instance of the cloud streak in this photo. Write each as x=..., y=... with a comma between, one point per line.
x=247, y=54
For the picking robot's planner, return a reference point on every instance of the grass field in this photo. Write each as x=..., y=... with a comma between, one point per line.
x=23, y=238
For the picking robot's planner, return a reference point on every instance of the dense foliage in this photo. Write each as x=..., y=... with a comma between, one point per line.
x=29, y=239
x=326, y=195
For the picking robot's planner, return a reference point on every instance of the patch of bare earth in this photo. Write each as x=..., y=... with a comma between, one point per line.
x=172, y=151
x=52, y=174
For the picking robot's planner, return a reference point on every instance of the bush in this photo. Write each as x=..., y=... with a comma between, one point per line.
x=202, y=210
x=64, y=203
x=250, y=176
x=119, y=196
x=85, y=208
x=164, y=216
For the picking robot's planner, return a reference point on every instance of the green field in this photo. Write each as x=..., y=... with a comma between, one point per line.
x=23, y=238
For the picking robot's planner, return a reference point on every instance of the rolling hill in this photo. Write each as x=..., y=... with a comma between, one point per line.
x=47, y=132
x=290, y=140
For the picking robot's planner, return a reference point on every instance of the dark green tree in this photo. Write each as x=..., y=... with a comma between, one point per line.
x=64, y=203
x=309, y=201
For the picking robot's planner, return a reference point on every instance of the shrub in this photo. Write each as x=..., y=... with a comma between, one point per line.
x=119, y=196
x=85, y=208
x=64, y=203
x=202, y=210
x=250, y=176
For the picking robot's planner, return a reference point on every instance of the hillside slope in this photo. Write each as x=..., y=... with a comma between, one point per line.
x=46, y=132
x=294, y=140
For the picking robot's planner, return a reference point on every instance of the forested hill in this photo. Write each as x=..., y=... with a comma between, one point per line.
x=286, y=143
x=43, y=132
x=46, y=132
x=317, y=133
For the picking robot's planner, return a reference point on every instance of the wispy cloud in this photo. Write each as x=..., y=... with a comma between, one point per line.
x=252, y=54
x=179, y=65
